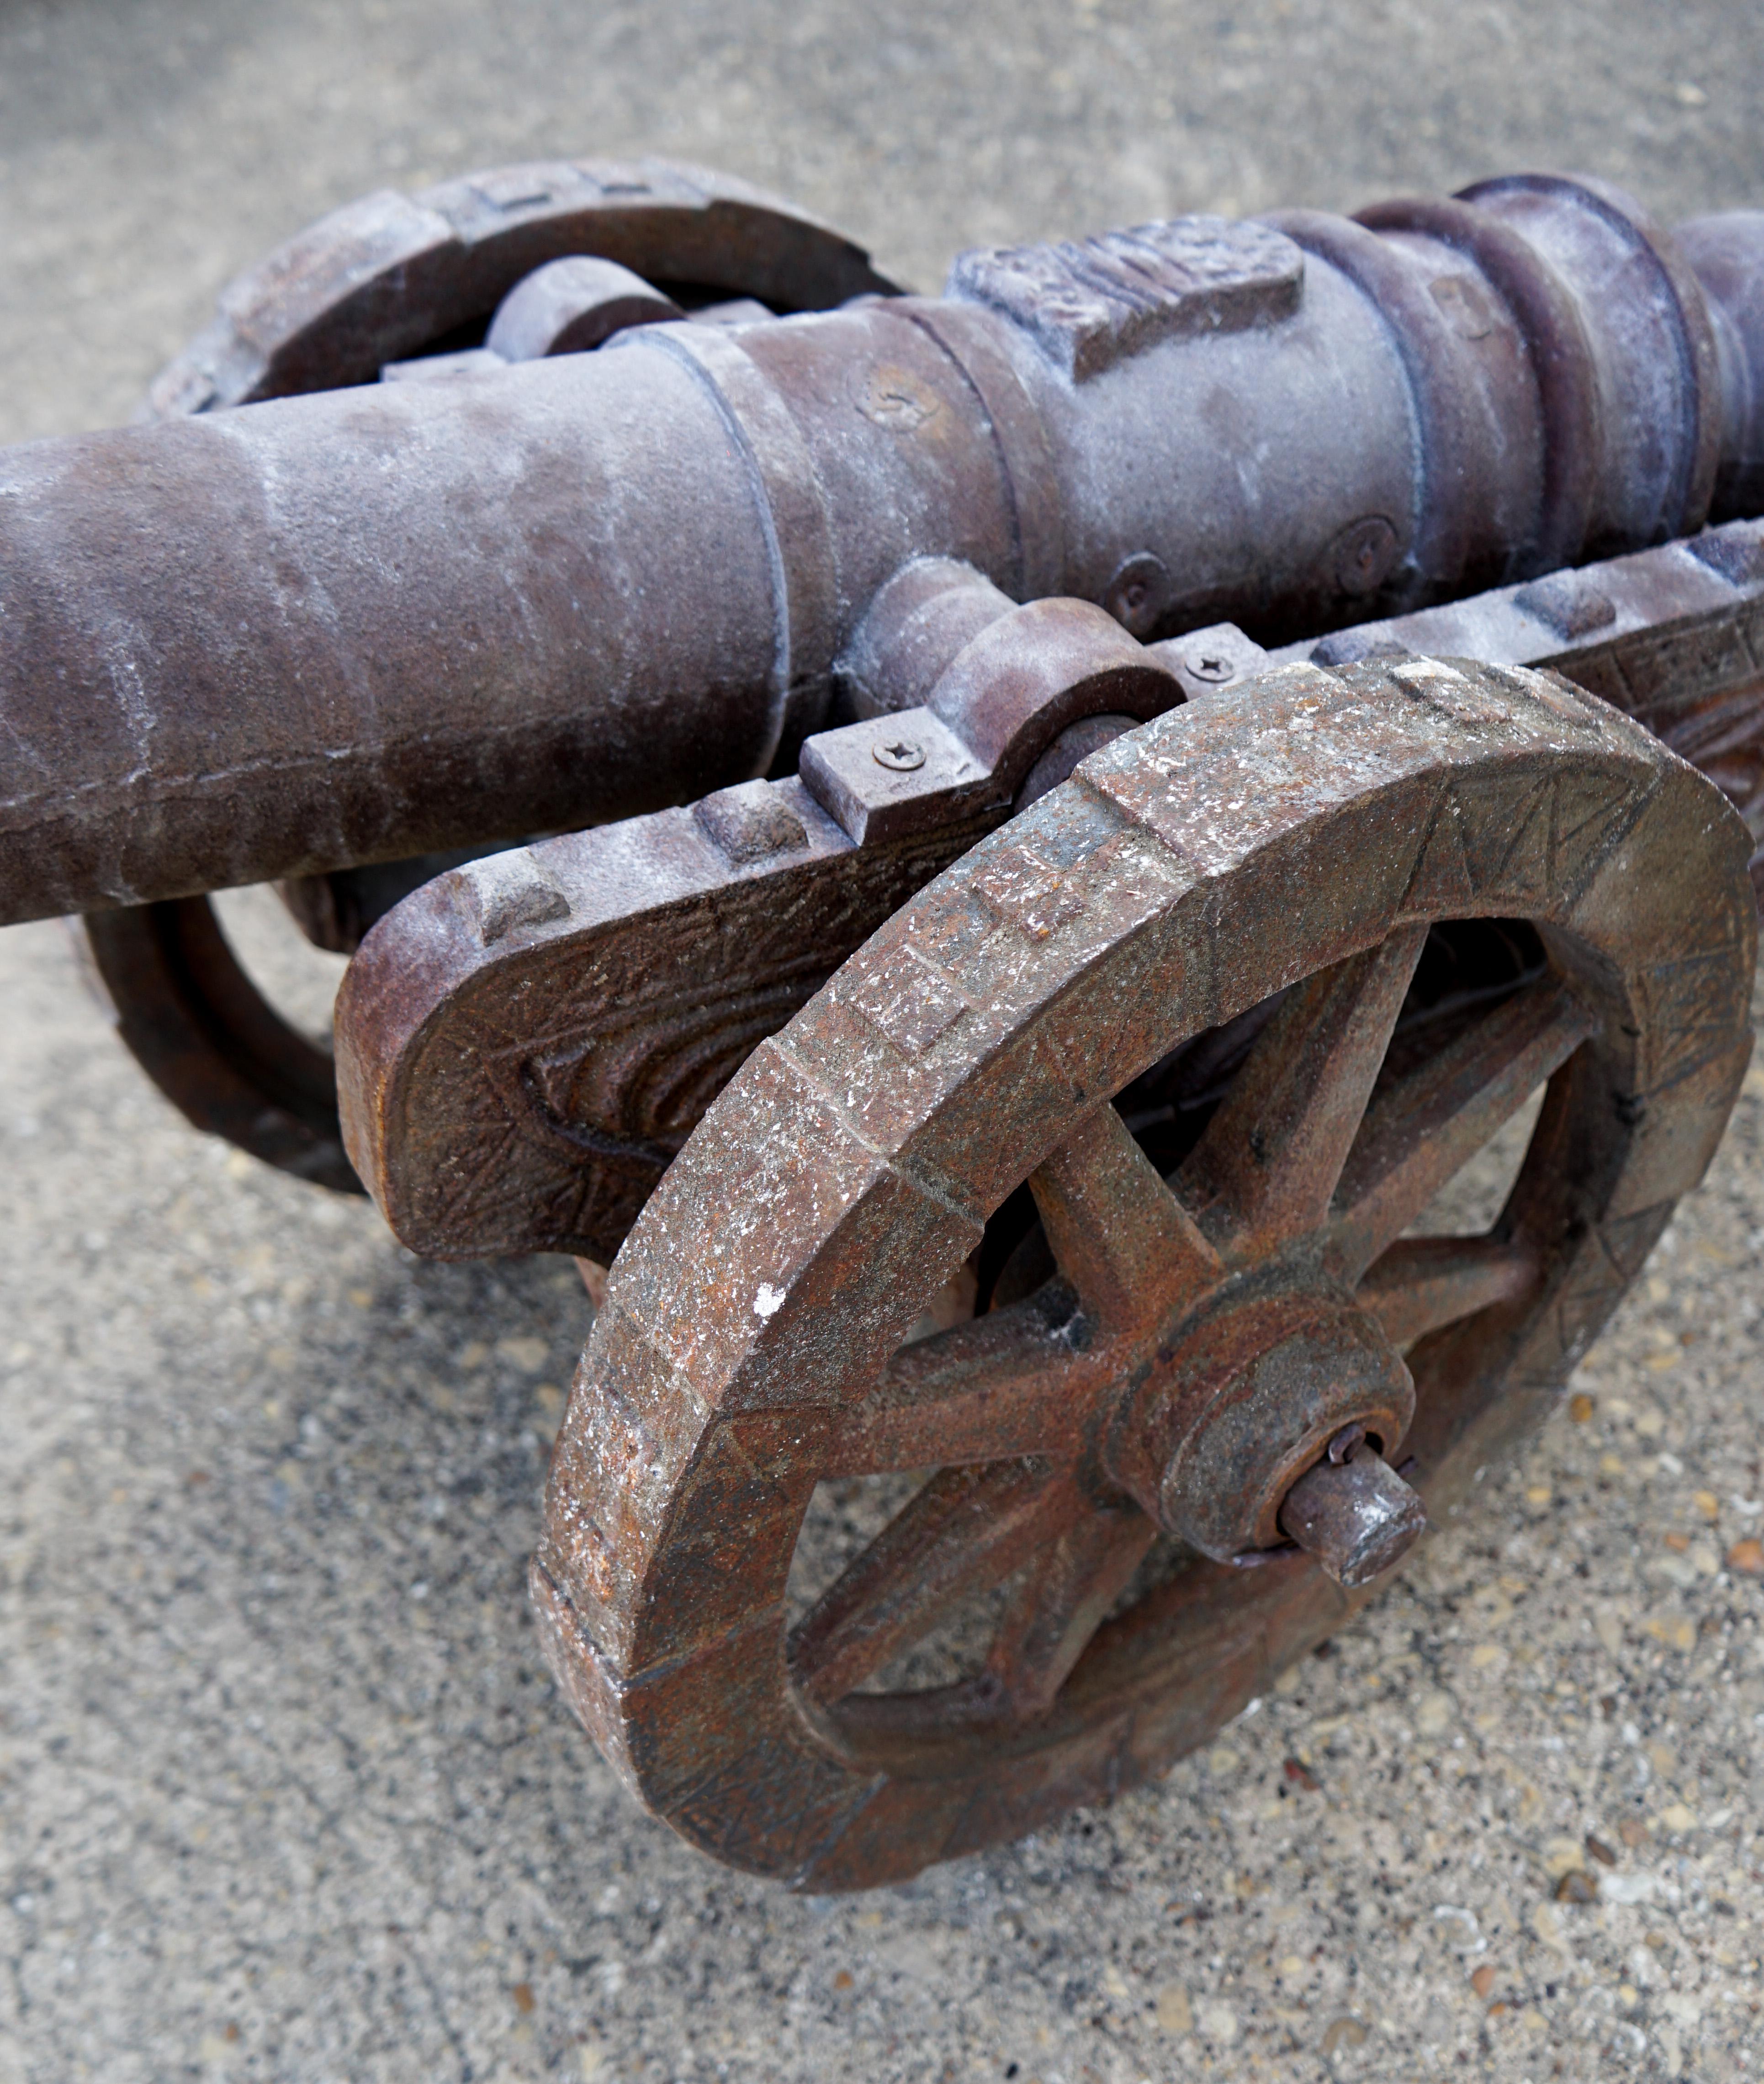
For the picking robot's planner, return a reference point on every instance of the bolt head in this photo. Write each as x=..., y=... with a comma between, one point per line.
x=901, y=756
x=1356, y=1516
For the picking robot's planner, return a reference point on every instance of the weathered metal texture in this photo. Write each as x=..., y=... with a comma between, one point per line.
x=568, y=306
x=449, y=613
x=390, y=275
x=525, y=1043
x=924, y=551
x=1721, y=251
x=1626, y=365
x=523, y=1091
x=1672, y=636
x=750, y=1343
x=333, y=308
x=390, y=651
x=202, y=1032
x=1354, y=1513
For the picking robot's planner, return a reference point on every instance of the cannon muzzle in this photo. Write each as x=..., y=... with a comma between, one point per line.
x=324, y=631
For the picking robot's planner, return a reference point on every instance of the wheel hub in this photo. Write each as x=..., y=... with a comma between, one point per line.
x=1242, y=1401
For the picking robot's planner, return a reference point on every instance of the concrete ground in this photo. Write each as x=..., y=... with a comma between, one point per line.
x=286, y=1793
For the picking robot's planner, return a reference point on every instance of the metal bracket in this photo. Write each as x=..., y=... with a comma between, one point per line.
x=525, y=1043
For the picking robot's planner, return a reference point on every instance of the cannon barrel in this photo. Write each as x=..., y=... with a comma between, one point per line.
x=352, y=627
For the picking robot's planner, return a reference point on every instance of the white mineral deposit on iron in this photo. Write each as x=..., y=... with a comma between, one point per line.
x=267, y=1814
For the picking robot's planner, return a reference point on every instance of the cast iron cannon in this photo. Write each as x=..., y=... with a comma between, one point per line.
x=960, y=841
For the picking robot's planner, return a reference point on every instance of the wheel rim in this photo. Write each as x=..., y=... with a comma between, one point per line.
x=385, y=277
x=224, y=1056
x=1302, y=828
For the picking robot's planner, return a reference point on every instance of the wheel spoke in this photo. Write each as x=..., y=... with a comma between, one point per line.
x=1022, y=1380
x=1422, y=1128
x=1274, y=1151
x=966, y=1530
x=1061, y=1604
x=1118, y=1233
x=1422, y=1283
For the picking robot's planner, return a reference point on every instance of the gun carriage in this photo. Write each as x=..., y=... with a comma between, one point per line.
x=991, y=855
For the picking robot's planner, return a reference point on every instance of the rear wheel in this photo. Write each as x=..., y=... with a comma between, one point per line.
x=393, y=278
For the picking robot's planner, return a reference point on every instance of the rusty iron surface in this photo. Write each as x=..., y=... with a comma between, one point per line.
x=451, y=612
x=1074, y=1162
x=337, y=306
x=750, y=1344
x=1545, y=419
x=203, y=1032
x=1673, y=637
x=1354, y=1513
x=389, y=275
x=520, y=1083
x=524, y=1043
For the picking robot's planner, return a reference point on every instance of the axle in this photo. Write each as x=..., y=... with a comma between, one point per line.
x=324, y=631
